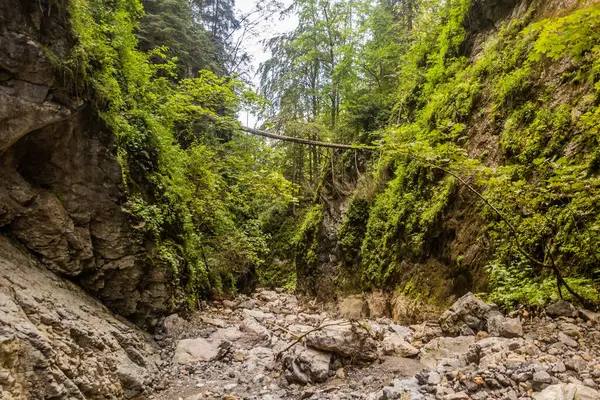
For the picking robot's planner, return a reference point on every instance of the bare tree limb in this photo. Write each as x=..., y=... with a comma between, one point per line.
x=306, y=141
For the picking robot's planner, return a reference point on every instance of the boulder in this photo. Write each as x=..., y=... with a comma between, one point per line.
x=196, y=350
x=174, y=325
x=588, y=315
x=395, y=345
x=252, y=328
x=499, y=325
x=445, y=347
x=305, y=365
x=561, y=308
x=470, y=311
x=345, y=339
x=569, y=391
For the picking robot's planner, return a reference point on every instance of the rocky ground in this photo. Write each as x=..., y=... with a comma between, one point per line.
x=268, y=346
x=56, y=342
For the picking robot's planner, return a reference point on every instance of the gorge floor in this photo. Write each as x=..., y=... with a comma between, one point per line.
x=271, y=346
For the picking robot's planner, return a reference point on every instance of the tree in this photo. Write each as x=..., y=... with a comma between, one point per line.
x=170, y=24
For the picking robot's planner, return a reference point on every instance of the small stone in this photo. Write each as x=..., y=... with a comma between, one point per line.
x=561, y=308
x=457, y=396
x=434, y=378
x=541, y=380
x=589, y=383
x=559, y=367
x=567, y=340
x=229, y=387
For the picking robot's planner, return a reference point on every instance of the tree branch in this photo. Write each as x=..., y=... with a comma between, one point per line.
x=306, y=141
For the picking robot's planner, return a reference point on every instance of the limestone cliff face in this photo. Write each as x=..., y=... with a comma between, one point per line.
x=61, y=191
x=62, y=228
x=57, y=342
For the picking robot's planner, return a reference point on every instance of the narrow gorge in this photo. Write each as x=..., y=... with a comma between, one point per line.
x=430, y=231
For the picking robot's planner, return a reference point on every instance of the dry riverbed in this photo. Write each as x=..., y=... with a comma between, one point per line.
x=270, y=346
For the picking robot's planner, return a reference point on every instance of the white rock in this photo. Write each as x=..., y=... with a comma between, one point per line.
x=444, y=347
x=395, y=345
x=195, y=350
x=567, y=392
x=344, y=339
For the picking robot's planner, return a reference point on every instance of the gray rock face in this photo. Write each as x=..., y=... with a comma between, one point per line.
x=61, y=188
x=75, y=346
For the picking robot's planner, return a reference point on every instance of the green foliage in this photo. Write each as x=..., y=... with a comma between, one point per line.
x=515, y=286
x=547, y=133
x=549, y=188
x=171, y=25
x=352, y=230
x=402, y=221
x=306, y=238
x=196, y=187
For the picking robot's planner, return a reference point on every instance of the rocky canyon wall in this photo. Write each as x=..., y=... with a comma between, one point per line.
x=61, y=191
